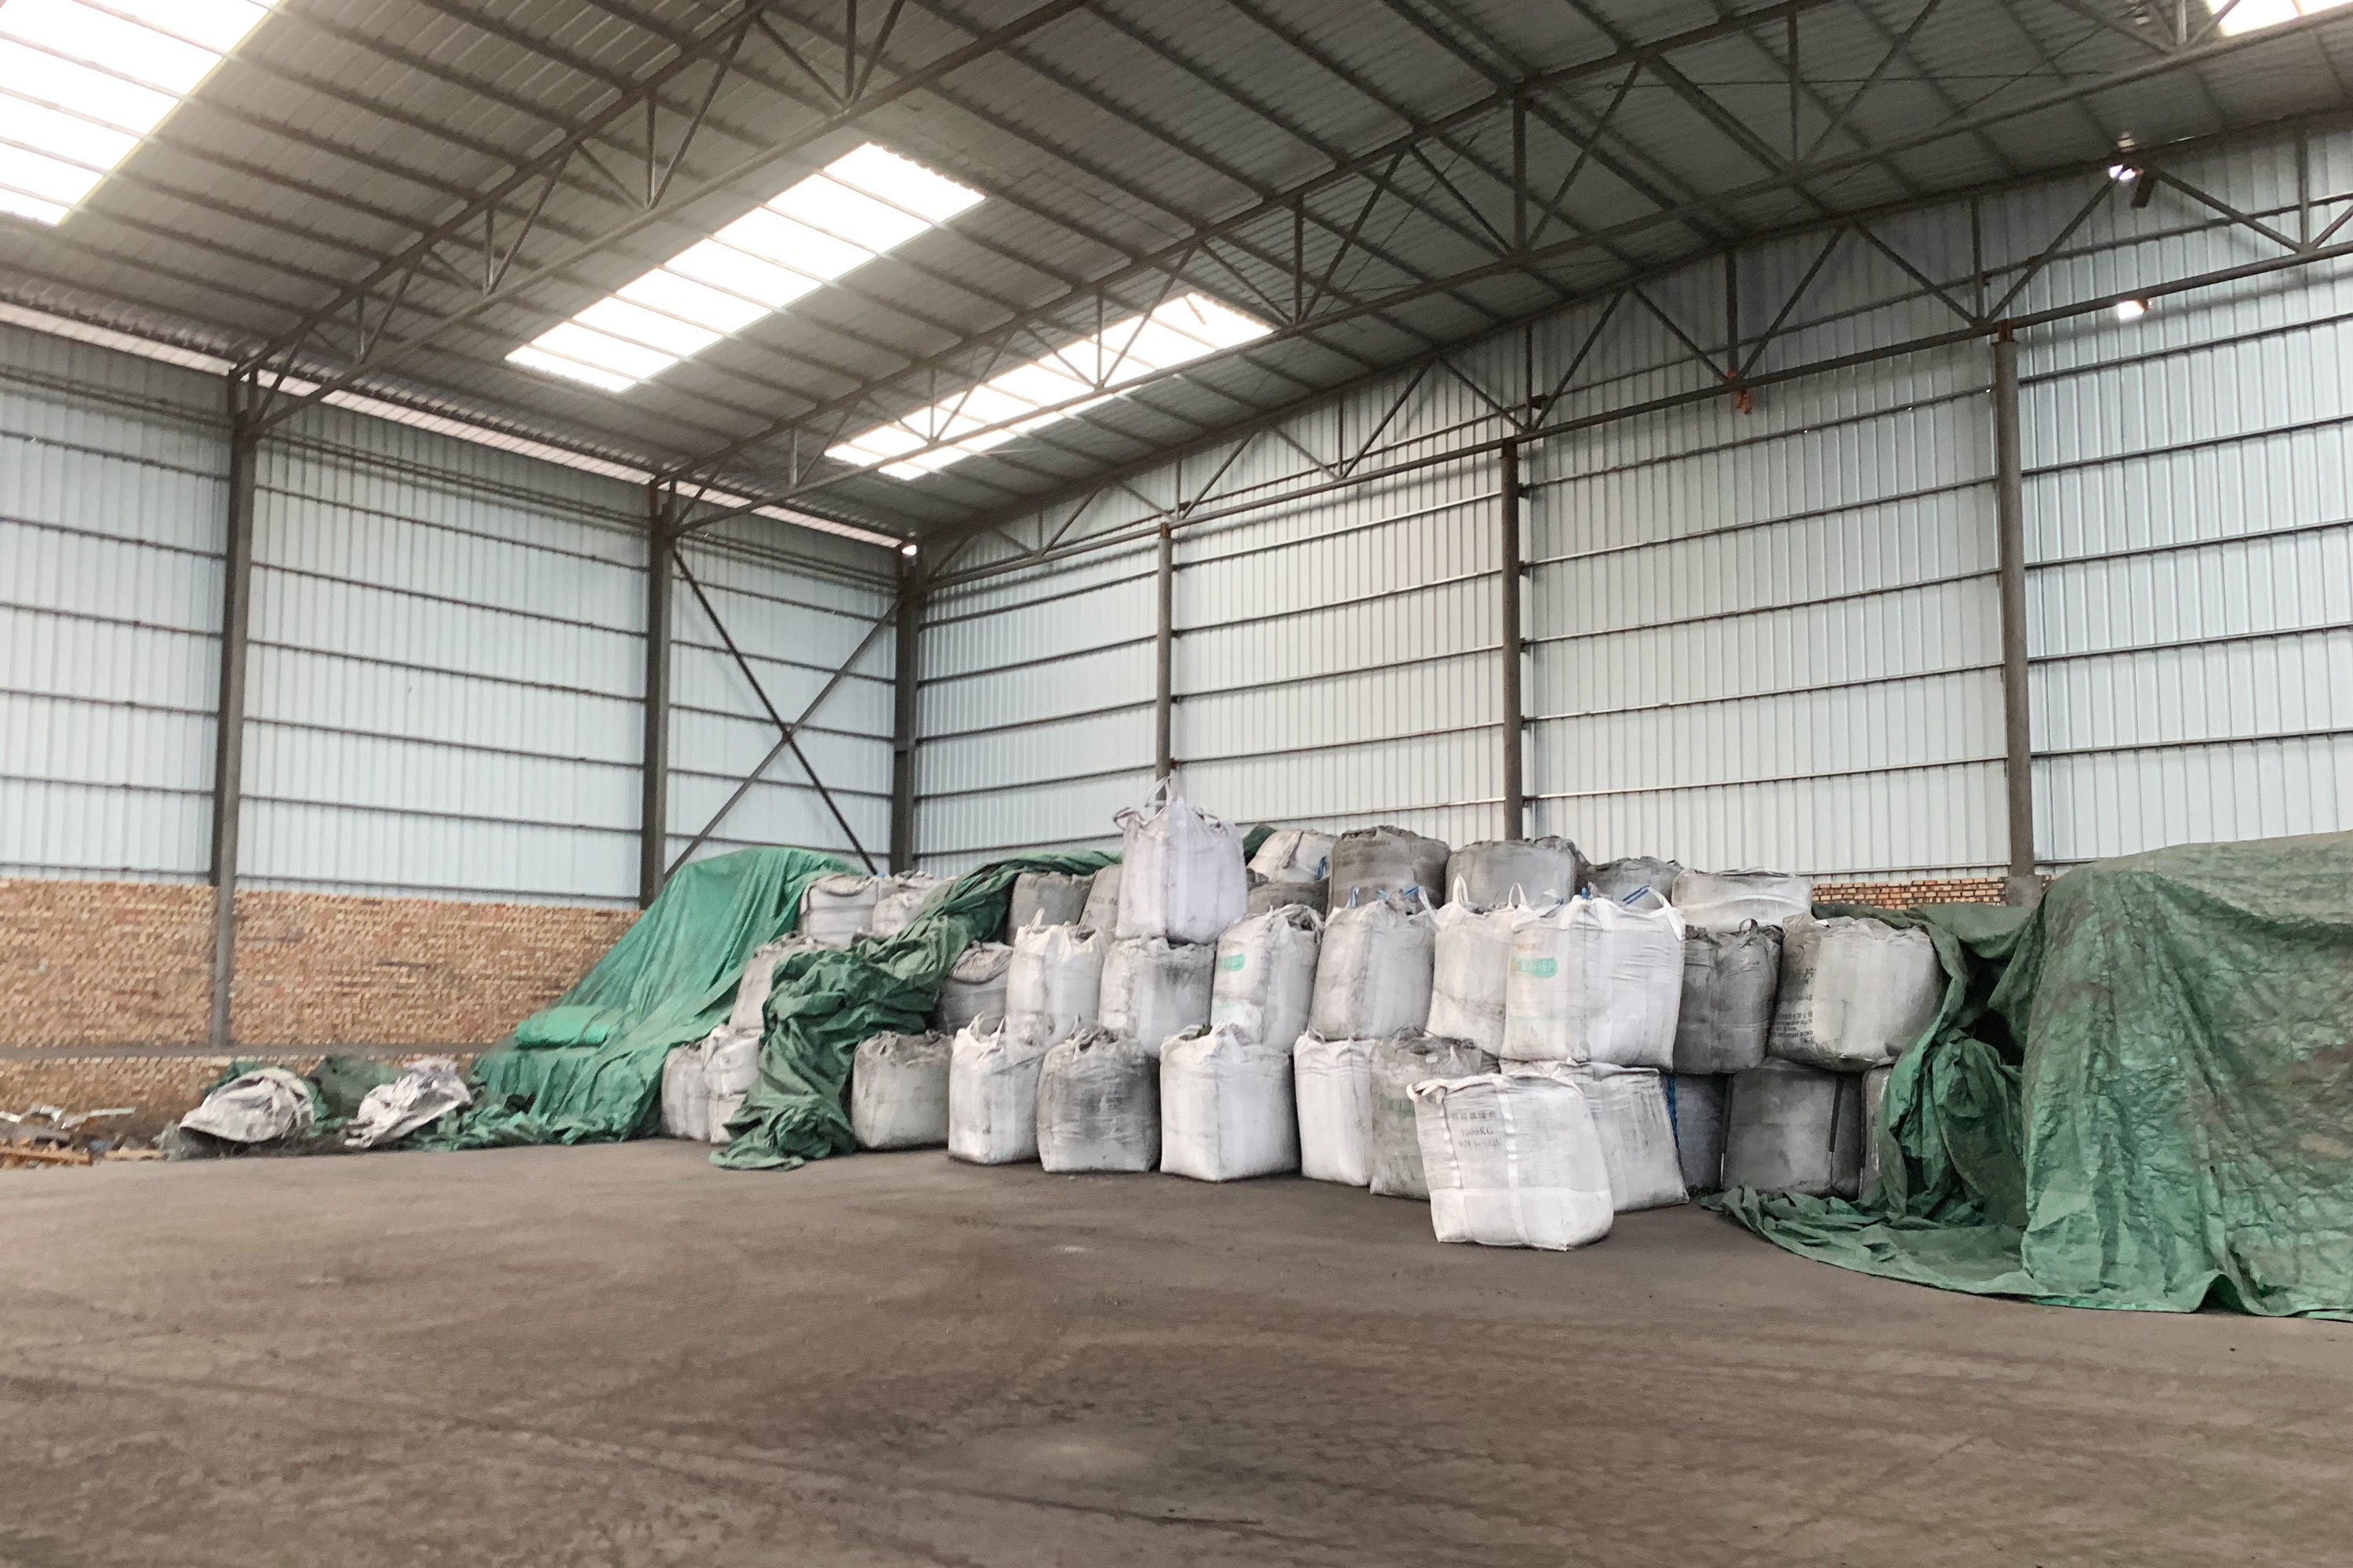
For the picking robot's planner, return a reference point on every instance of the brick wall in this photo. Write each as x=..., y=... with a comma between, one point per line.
x=1896, y=894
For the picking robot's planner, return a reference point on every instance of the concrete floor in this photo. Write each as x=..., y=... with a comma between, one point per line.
x=621, y=1356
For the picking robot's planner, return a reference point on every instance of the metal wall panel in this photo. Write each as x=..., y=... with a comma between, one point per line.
x=113, y=481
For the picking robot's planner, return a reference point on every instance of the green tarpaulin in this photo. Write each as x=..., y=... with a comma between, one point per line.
x=587, y=1068
x=2142, y=1098
x=825, y=1003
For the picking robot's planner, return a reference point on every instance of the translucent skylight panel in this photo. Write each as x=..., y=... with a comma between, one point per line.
x=1176, y=332
x=862, y=204
x=2249, y=15
x=556, y=364
x=602, y=351
x=82, y=83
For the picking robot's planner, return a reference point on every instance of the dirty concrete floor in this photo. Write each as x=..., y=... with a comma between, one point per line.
x=622, y=1356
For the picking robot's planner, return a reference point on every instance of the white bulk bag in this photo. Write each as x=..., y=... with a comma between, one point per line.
x=837, y=910
x=1184, y=879
x=1795, y=1129
x=1102, y=899
x=1265, y=977
x=1618, y=880
x=974, y=987
x=1055, y=983
x=1546, y=871
x=1856, y=993
x=1636, y=1132
x=686, y=1094
x=1596, y=981
x=1393, y=1147
x=899, y=1091
x=1294, y=855
x=426, y=1090
x=1372, y=977
x=1730, y=978
x=1370, y=861
x=993, y=1092
x=1153, y=987
x=1699, y=1102
x=1099, y=1105
x=1226, y=1109
x=1265, y=897
x=902, y=899
x=1513, y=1161
x=1725, y=900
x=1873, y=1095
x=759, y=979
x=255, y=1108
x=1471, y=968
x=1331, y=1084
x=1054, y=897
x=731, y=1065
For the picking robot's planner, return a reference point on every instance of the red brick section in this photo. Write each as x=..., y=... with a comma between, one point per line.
x=1896, y=894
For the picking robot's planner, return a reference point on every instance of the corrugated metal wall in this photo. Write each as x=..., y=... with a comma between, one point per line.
x=445, y=689
x=1759, y=634
x=113, y=481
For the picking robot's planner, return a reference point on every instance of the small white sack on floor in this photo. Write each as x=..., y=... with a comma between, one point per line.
x=973, y=988
x=1730, y=978
x=993, y=1092
x=838, y=909
x=1294, y=855
x=1543, y=871
x=1184, y=879
x=1102, y=912
x=1615, y=881
x=902, y=899
x=1700, y=1102
x=255, y=1108
x=1331, y=1084
x=1153, y=989
x=1726, y=900
x=730, y=1058
x=1265, y=979
x=1795, y=1129
x=1856, y=993
x=1372, y=977
x=1638, y=1134
x=1227, y=1112
x=1471, y=968
x=1055, y=985
x=1099, y=1105
x=899, y=1091
x=1053, y=898
x=1393, y=1145
x=426, y=1090
x=1596, y=981
x=1368, y=862
x=1514, y=1160
x=686, y=1094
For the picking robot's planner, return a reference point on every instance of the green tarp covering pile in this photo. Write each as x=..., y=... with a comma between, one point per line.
x=2140, y=1098
x=587, y=1068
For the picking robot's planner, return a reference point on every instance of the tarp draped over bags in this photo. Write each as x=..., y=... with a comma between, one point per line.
x=588, y=1067
x=2139, y=1099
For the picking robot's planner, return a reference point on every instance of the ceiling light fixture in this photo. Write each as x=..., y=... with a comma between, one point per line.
x=2131, y=310
x=81, y=86
x=1051, y=387
x=857, y=208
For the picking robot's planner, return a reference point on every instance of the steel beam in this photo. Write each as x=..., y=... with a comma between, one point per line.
x=1164, y=664
x=1515, y=811
x=228, y=727
x=653, y=813
x=2022, y=886
x=906, y=672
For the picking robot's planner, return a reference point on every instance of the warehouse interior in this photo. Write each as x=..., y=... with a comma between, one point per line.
x=494, y=495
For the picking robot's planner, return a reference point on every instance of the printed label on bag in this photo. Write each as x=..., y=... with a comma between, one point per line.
x=1233, y=961
x=1542, y=969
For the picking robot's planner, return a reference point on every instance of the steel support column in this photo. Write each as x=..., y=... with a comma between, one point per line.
x=2023, y=887
x=653, y=810
x=1164, y=698
x=1514, y=709
x=905, y=671
x=228, y=729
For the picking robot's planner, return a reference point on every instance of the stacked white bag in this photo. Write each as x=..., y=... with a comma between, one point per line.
x=1615, y=881
x=1099, y=1105
x=837, y=910
x=1182, y=874
x=1226, y=1106
x=1393, y=1143
x=1727, y=900
x=1332, y=1083
x=1541, y=871
x=1856, y=993
x=1294, y=855
x=1053, y=898
x=899, y=1091
x=993, y=1092
x=1794, y=1128
x=1369, y=861
x=1373, y=977
x=1054, y=986
x=901, y=898
x=974, y=986
x=1471, y=968
x=1101, y=911
x=1596, y=981
x=1512, y=1160
x=1265, y=977
x=1153, y=987
x=703, y=1084
x=1629, y=1106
